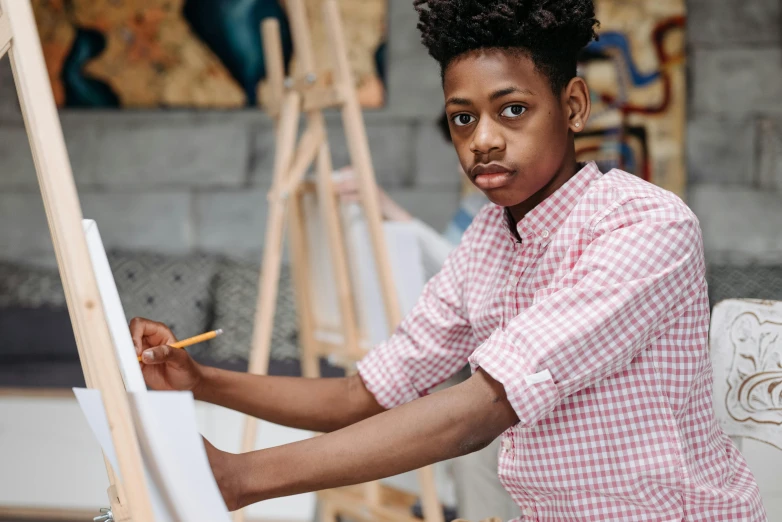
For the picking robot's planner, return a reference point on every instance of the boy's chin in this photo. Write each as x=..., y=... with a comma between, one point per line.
x=504, y=197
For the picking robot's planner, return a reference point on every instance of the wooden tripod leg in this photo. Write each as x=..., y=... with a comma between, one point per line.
x=5, y=34
x=430, y=502
x=274, y=61
x=327, y=512
x=362, y=164
x=117, y=498
x=65, y=223
x=339, y=259
x=302, y=286
x=272, y=259
x=358, y=146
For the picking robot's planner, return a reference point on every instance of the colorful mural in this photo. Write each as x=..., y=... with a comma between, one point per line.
x=188, y=53
x=636, y=73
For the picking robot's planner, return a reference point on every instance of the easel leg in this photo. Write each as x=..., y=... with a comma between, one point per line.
x=331, y=219
x=430, y=503
x=119, y=510
x=272, y=259
x=302, y=285
x=19, y=37
x=327, y=512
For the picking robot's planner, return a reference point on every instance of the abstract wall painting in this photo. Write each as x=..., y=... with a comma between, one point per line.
x=203, y=54
x=636, y=73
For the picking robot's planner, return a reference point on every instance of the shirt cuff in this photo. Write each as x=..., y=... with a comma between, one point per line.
x=385, y=379
x=533, y=394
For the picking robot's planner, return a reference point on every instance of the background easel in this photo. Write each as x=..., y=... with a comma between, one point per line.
x=289, y=97
x=19, y=38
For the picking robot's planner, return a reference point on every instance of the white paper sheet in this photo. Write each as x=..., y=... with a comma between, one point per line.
x=115, y=314
x=166, y=423
x=91, y=404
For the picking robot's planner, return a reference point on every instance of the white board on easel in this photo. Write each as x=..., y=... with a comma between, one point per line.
x=182, y=487
x=406, y=267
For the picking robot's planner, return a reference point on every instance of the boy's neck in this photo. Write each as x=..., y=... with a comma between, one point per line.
x=517, y=212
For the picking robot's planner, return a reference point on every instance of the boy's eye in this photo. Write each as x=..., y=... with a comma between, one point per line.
x=460, y=120
x=512, y=111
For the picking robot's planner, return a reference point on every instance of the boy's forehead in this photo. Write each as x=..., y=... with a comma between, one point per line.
x=484, y=72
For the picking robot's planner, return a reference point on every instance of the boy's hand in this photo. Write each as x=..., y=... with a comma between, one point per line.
x=163, y=367
x=226, y=473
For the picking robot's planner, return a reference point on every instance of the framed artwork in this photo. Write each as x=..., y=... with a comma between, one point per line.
x=204, y=54
x=636, y=73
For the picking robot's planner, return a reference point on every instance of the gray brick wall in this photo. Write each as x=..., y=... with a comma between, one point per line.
x=176, y=181
x=734, y=144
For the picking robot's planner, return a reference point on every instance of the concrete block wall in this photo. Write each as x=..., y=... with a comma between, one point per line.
x=179, y=181
x=734, y=148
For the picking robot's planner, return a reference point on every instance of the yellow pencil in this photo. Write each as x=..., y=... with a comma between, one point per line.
x=194, y=340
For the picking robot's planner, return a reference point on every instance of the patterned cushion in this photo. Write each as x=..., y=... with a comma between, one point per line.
x=744, y=282
x=235, y=292
x=173, y=290
x=29, y=286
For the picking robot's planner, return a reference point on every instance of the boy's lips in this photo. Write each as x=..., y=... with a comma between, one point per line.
x=490, y=176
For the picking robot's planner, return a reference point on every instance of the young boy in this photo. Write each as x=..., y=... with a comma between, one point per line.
x=577, y=296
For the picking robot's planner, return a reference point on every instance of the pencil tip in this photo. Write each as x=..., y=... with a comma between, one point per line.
x=219, y=331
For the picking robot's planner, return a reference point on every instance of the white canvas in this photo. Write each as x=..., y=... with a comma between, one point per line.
x=115, y=314
x=181, y=483
x=406, y=268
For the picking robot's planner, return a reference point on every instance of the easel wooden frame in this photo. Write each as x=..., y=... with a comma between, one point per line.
x=19, y=38
x=290, y=97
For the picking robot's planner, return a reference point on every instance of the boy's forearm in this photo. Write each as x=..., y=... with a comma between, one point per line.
x=447, y=424
x=321, y=405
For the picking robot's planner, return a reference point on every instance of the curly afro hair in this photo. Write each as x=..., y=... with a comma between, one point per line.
x=551, y=33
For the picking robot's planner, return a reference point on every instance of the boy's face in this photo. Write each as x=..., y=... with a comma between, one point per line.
x=513, y=135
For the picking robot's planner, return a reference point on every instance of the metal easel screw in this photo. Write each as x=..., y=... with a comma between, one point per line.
x=310, y=78
x=288, y=83
x=106, y=516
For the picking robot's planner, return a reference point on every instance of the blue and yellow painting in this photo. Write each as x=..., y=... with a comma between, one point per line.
x=188, y=53
x=636, y=73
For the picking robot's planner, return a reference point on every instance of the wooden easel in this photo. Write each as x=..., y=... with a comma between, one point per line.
x=19, y=38
x=290, y=97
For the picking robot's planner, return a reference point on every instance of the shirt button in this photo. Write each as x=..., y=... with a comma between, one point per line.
x=528, y=512
x=545, y=234
x=507, y=444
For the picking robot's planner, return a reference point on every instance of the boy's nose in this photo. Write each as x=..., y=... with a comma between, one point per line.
x=486, y=138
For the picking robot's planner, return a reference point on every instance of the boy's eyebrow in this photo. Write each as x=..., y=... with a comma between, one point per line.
x=493, y=96
x=458, y=101
x=509, y=90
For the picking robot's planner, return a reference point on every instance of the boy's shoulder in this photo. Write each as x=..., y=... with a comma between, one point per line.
x=614, y=199
x=620, y=193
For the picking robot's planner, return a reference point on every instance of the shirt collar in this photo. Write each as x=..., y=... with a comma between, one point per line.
x=546, y=218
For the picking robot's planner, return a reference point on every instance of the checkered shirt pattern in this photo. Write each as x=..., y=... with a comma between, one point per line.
x=596, y=324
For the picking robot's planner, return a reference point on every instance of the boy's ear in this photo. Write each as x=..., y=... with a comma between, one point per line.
x=577, y=103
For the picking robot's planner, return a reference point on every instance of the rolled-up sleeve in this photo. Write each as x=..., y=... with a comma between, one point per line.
x=432, y=342
x=635, y=278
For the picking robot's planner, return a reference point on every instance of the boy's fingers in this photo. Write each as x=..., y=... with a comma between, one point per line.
x=164, y=355
x=137, y=329
x=141, y=329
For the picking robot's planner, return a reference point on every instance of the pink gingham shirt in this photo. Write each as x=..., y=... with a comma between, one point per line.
x=596, y=324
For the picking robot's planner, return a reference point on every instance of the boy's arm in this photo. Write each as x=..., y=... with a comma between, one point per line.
x=311, y=404
x=446, y=424
x=321, y=405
